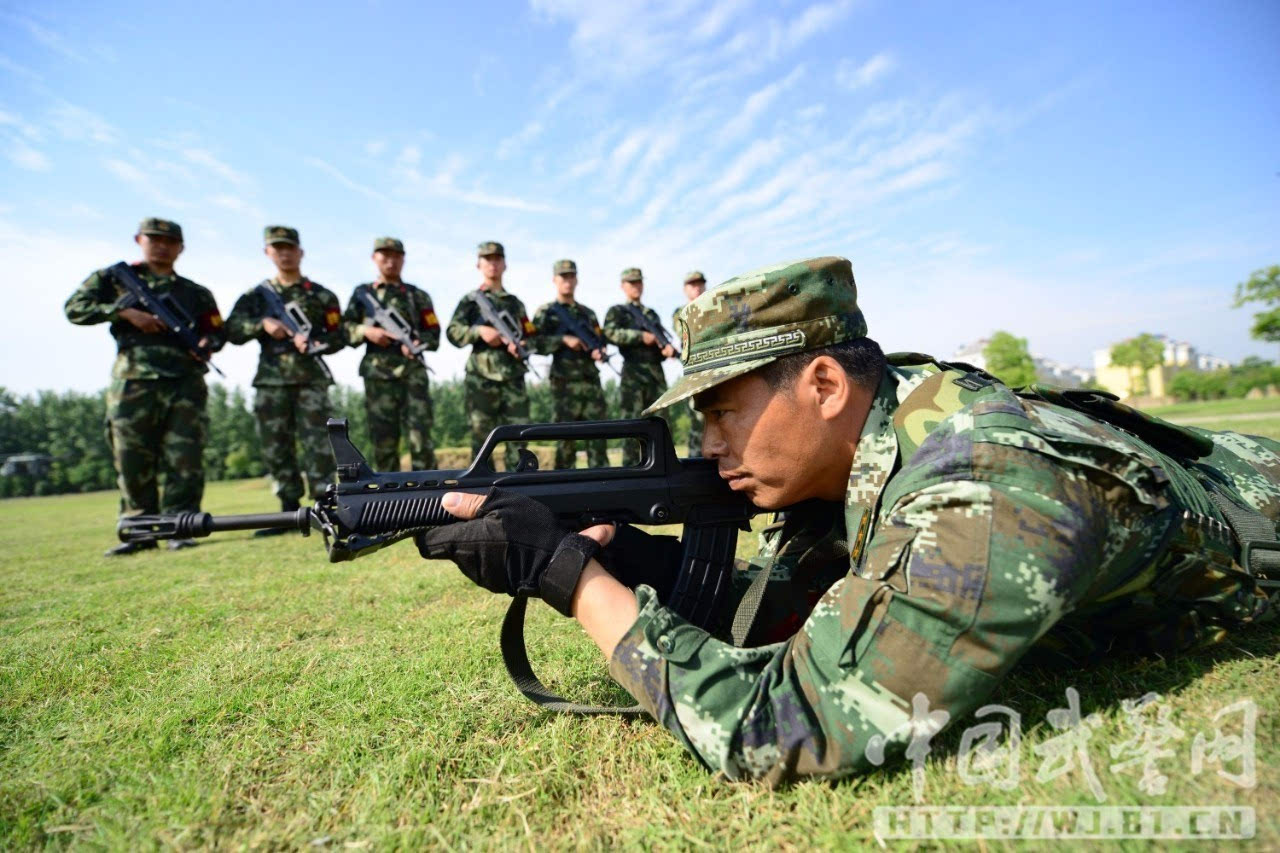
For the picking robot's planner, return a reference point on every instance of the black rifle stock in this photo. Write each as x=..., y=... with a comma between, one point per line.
x=655, y=329
x=367, y=510
x=508, y=328
x=166, y=309
x=295, y=321
x=574, y=326
x=387, y=318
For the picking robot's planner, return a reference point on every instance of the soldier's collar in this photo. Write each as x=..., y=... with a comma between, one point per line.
x=498, y=289
x=635, y=302
x=875, y=456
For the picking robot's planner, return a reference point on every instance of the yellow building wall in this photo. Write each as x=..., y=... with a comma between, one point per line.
x=1119, y=380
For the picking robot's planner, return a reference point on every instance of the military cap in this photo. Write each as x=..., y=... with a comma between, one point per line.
x=564, y=267
x=163, y=227
x=759, y=316
x=632, y=274
x=490, y=248
x=694, y=275
x=391, y=244
x=280, y=234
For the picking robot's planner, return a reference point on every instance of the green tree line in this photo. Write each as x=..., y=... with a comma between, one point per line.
x=69, y=427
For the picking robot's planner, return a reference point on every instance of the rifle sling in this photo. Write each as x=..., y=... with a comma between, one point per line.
x=516, y=658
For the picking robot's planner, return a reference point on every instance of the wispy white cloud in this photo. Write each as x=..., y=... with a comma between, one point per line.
x=144, y=183
x=756, y=104
x=853, y=76
x=79, y=124
x=206, y=159
x=19, y=124
x=338, y=175
x=24, y=156
x=50, y=39
x=759, y=154
x=815, y=19
x=518, y=140
x=18, y=69
x=374, y=148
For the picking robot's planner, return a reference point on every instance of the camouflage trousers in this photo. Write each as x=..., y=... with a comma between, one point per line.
x=397, y=406
x=641, y=384
x=491, y=403
x=697, y=425
x=295, y=413
x=158, y=426
x=578, y=400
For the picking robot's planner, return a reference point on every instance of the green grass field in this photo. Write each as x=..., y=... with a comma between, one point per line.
x=249, y=694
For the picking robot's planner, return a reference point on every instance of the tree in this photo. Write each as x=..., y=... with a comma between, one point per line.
x=1263, y=286
x=1009, y=360
x=1139, y=354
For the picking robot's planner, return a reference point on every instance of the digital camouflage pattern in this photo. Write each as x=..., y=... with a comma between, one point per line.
x=156, y=429
x=564, y=267
x=491, y=247
x=280, y=363
x=493, y=386
x=160, y=227
x=632, y=274
x=694, y=276
x=155, y=420
x=280, y=234
x=291, y=399
x=140, y=355
x=390, y=244
x=1012, y=525
x=755, y=318
x=286, y=413
x=642, y=378
x=576, y=394
x=697, y=423
x=397, y=391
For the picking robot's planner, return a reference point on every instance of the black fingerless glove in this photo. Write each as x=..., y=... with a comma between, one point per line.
x=514, y=545
x=635, y=557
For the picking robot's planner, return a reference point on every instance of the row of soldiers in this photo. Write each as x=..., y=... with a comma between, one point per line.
x=156, y=418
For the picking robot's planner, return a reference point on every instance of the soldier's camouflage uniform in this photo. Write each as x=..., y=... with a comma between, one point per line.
x=696, y=421
x=493, y=386
x=291, y=390
x=642, y=378
x=978, y=526
x=397, y=390
x=576, y=394
x=156, y=417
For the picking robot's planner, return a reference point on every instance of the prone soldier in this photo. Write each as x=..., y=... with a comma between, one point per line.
x=493, y=387
x=397, y=390
x=642, y=353
x=695, y=284
x=943, y=527
x=291, y=386
x=576, y=394
x=156, y=416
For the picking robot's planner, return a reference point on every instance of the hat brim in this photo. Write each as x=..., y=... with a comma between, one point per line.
x=156, y=232
x=691, y=385
x=285, y=242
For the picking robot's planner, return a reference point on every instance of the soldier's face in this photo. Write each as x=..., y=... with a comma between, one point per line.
x=633, y=289
x=286, y=256
x=389, y=263
x=491, y=267
x=566, y=284
x=159, y=248
x=694, y=289
x=782, y=446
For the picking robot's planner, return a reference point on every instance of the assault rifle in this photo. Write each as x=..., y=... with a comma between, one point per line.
x=166, y=309
x=387, y=318
x=573, y=325
x=294, y=319
x=506, y=325
x=367, y=510
x=653, y=328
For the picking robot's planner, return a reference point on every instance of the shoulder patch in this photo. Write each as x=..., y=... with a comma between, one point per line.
x=973, y=381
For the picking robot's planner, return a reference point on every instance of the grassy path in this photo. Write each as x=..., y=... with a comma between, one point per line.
x=250, y=694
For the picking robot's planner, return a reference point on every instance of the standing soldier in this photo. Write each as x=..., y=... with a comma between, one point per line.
x=493, y=389
x=575, y=379
x=695, y=284
x=291, y=399
x=642, y=354
x=156, y=417
x=396, y=388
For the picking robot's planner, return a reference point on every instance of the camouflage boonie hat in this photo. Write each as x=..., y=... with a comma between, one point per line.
x=390, y=244
x=632, y=274
x=694, y=275
x=490, y=248
x=162, y=227
x=564, y=267
x=280, y=234
x=753, y=319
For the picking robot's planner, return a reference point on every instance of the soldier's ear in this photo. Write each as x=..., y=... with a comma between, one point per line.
x=137, y=238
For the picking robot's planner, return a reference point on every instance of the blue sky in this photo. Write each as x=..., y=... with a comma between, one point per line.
x=1074, y=173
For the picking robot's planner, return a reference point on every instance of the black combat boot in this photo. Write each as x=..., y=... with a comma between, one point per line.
x=285, y=506
x=126, y=548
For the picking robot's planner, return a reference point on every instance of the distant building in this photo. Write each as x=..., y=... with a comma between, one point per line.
x=1178, y=356
x=1048, y=370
